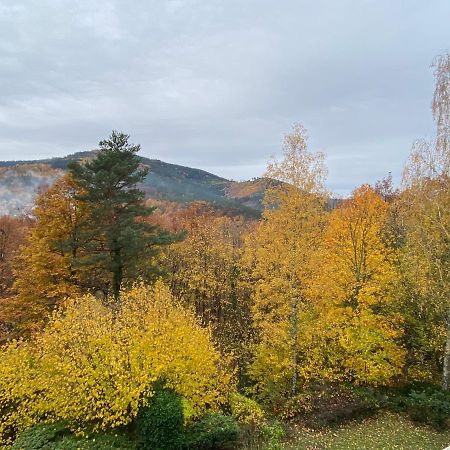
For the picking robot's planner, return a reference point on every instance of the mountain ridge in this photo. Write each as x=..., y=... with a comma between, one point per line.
x=20, y=181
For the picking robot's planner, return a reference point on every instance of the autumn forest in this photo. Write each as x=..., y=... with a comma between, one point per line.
x=128, y=323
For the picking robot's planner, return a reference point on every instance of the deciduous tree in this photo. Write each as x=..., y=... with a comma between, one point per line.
x=44, y=269
x=281, y=257
x=93, y=367
x=204, y=272
x=359, y=289
x=12, y=231
x=425, y=206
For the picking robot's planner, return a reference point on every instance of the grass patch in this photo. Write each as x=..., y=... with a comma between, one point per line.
x=384, y=432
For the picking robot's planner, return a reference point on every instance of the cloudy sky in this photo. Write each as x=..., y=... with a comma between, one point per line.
x=215, y=84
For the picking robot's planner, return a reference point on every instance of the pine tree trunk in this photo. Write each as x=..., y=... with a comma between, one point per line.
x=294, y=347
x=117, y=273
x=446, y=368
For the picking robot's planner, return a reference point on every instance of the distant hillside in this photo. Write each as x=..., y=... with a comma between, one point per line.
x=20, y=180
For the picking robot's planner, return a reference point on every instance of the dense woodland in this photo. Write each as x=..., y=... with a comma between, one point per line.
x=128, y=317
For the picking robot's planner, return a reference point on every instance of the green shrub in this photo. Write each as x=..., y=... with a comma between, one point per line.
x=273, y=435
x=98, y=441
x=39, y=436
x=159, y=425
x=57, y=437
x=423, y=402
x=214, y=431
x=429, y=406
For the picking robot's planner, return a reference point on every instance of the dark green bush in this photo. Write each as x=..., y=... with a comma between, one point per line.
x=159, y=425
x=98, y=441
x=429, y=406
x=423, y=402
x=57, y=437
x=41, y=436
x=214, y=431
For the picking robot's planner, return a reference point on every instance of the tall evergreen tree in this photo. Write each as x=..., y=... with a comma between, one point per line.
x=116, y=236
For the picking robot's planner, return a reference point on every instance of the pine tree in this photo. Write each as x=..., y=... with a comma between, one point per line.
x=116, y=236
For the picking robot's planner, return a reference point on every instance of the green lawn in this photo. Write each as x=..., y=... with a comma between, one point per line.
x=387, y=431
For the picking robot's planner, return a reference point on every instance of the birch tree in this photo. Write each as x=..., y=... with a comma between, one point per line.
x=426, y=201
x=281, y=256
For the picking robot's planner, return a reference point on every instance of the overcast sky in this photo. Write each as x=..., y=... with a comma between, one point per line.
x=216, y=84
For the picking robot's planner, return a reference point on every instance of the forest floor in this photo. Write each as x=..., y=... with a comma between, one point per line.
x=384, y=432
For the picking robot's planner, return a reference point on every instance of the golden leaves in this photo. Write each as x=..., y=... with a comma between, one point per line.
x=362, y=281
x=94, y=366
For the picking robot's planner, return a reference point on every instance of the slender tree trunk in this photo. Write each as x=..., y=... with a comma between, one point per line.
x=117, y=273
x=294, y=334
x=446, y=368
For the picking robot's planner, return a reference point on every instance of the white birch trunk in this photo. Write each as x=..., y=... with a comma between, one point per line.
x=294, y=334
x=446, y=368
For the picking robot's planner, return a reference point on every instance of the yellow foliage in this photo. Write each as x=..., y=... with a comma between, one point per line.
x=93, y=366
x=424, y=211
x=44, y=271
x=359, y=284
x=281, y=260
x=363, y=271
x=201, y=266
x=246, y=411
x=204, y=274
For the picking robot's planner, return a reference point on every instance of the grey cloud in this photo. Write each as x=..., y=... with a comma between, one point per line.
x=216, y=84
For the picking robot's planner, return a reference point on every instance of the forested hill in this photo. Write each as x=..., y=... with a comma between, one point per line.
x=20, y=180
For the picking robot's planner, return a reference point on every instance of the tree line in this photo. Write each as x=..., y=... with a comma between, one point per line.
x=356, y=293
